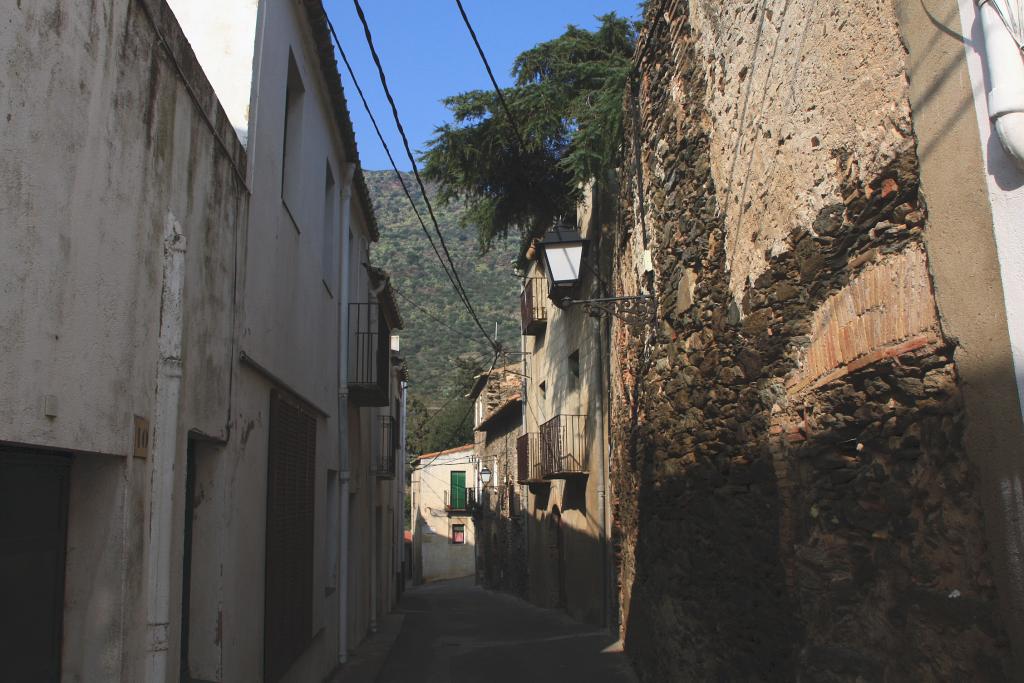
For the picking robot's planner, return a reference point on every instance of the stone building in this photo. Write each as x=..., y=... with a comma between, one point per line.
x=499, y=518
x=563, y=449
x=185, y=300
x=817, y=446
x=443, y=488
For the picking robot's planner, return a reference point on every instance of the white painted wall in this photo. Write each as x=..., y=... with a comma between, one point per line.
x=432, y=525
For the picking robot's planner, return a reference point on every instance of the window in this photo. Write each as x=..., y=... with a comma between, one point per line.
x=288, y=594
x=459, y=534
x=458, y=491
x=291, y=159
x=329, y=255
x=543, y=386
x=574, y=369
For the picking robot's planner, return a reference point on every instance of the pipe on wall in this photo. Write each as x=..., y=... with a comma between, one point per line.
x=164, y=454
x=1006, y=80
x=344, y=474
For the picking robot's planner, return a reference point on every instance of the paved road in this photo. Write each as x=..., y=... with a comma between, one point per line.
x=455, y=632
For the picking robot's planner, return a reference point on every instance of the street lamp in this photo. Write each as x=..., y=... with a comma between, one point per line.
x=563, y=255
x=562, y=247
x=485, y=475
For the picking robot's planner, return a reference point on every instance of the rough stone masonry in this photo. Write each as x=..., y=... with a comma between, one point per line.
x=792, y=496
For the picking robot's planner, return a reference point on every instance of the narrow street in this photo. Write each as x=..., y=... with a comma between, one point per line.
x=456, y=632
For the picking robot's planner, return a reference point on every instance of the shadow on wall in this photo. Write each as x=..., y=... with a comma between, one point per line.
x=435, y=556
x=775, y=524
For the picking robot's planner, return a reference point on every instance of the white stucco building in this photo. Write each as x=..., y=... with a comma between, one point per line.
x=444, y=486
x=201, y=416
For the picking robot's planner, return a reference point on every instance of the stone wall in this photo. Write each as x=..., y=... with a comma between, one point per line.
x=792, y=496
x=500, y=528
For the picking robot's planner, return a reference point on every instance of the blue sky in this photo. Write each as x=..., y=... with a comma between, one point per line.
x=428, y=54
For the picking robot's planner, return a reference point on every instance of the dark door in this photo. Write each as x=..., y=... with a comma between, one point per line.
x=186, y=566
x=33, y=535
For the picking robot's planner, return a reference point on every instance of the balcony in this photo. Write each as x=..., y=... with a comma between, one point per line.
x=458, y=500
x=528, y=459
x=369, y=355
x=562, y=447
x=533, y=305
x=387, y=449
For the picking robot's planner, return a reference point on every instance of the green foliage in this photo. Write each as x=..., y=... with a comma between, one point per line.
x=442, y=347
x=567, y=104
x=451, y=424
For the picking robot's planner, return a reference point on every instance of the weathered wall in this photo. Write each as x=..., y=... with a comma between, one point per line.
x=500, y=527
x=975, y=200
x=566, y=518
x=438, y=558
x=793, y=495
x=110, y=127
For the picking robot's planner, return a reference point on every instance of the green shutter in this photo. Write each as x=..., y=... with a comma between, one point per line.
x=458, y=490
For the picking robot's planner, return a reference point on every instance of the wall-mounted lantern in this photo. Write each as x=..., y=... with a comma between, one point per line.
x=562, y=247
x=485, y=476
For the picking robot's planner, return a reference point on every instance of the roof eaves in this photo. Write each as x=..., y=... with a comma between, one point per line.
x=317, y=17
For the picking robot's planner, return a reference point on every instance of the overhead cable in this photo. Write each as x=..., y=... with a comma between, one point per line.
x=401, y=179
x=494, y=82
x=416, y=173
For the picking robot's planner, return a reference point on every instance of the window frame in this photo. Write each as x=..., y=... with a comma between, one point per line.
x=291, y=142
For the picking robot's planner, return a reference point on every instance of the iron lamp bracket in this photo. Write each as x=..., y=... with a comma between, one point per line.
x=634, y=311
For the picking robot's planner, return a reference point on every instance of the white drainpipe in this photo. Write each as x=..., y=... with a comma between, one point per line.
x=164, y=455
x=344, y=457
x=1006, y=77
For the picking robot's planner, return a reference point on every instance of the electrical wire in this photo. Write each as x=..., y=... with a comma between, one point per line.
x=456, y=284
x=494, y=82
x=416, y=173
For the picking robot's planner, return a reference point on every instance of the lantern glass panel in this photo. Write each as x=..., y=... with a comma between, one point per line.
x=563, y=262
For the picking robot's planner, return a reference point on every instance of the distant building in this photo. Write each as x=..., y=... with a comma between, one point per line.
x=443, y=493
x=499, y=517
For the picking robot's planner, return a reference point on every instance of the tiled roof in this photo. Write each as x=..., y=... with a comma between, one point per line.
x=457, y=449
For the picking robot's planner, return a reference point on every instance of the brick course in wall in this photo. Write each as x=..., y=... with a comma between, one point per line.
x=791, y=493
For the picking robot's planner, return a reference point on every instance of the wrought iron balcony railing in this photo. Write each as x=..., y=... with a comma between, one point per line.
x=528, y=459
x=458, y=499
x=369, y=355
x=563, y=446
x=387, y=449
x=533, y=305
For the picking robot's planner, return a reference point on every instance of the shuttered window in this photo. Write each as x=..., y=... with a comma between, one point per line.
x=458, y=491
x=288, y=621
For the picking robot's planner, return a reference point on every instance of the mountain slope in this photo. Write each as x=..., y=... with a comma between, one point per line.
x=438, y=329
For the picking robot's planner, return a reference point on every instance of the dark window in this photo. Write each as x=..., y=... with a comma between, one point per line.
x=290, y=171
x=574, y=369
x=330, y=248
x=543, y=386
x=458, y=534
x=291, y=465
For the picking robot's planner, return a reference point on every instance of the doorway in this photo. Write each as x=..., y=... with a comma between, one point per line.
x=33, y=540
